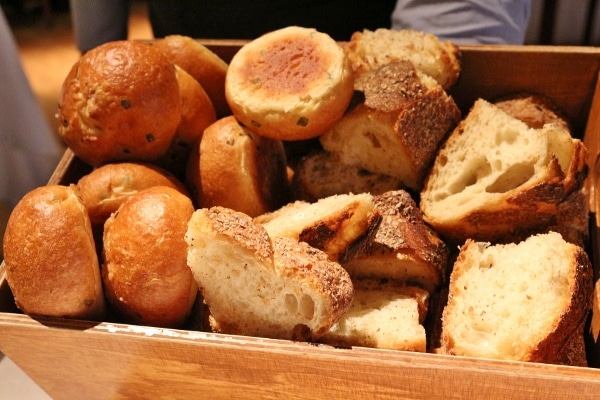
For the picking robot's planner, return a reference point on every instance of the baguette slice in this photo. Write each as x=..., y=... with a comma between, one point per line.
x=497, y=180
x=402, y=248
x=398, y=128
x=384, y=315
x=282, y=289
x=371, y=49
x=331, y=224
x=525, y=302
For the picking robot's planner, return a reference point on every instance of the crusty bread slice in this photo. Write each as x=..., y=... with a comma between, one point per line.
x=322, y=174
x=519, y=301
x=384, y=315
x=282, y=289
x=497, y=180
x=402, y=248
x=331, y=224
x=371, y=49
x=534, y=109
x=399, y=126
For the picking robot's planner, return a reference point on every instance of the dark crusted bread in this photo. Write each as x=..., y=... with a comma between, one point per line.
x=533, y=109
x=398, y=127
x=403, y=247
x=525, y=301
x=321, y=174
x=330, y=224
x=254, y=285
x=497, y=180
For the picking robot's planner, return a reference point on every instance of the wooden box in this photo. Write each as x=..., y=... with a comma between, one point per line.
x=79, y=359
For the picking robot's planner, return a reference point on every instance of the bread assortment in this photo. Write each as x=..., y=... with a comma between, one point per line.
x=316, y=191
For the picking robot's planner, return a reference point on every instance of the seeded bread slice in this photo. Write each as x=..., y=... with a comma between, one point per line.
x=281, y=289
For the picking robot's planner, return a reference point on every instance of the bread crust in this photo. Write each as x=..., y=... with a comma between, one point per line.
x=534, y=109
x=289, y=84
x=105, y=188
x=51, y=262
x=202, y=63
x=145, y=272
x=120, y=101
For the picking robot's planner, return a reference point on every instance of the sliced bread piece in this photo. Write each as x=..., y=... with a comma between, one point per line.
x=371, y=49
x=402, y=248
x=331, y=224
x=384, y=315
x=497, y=180
x=322, y=174
x=399, y=126
x=281, y=289
x=520, y=301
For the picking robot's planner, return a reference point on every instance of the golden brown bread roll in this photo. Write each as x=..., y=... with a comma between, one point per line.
x=201, y=63
x=289, y=84
x=51, y=262
x=145, y=272
x=105, y=188
x=236, y=168
x=120, y=101
x=197, y=113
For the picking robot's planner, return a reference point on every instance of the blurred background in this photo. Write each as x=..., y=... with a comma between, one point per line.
x=44, y=35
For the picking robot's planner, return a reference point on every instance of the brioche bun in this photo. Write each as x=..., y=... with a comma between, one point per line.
x=145, y=272
x=51, y=262
x=105, y=188
x=289, y=84
x=236, y=168
x=120, y=102
x=200, y=62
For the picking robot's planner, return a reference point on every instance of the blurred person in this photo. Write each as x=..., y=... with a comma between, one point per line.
x=29, y=148
x=466, y=21
x=99, y=21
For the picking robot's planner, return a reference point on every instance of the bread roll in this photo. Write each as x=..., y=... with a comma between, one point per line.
x=197, y=113
x=525, y=301
x=236, y=168
x=145, y=272
x=120, y=101
x=534, y=109
x=105, y=188
x=50, y=256
x=289, y=84
x=258, y=286
x=201, y=63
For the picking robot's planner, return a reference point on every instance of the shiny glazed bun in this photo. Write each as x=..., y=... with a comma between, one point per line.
x=236, y=168
x=120, y=101
x=50, y=256
x=105, y=188
x=289, y=84
x=200, y=62
x=145, y=272
x=197, y=113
